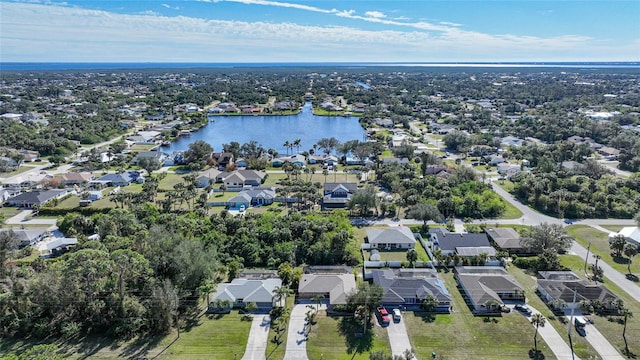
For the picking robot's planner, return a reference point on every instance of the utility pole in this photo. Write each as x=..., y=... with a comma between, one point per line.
x=585, y=260
x=571, y=324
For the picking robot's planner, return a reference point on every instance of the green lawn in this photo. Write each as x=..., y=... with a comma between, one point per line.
x=510, y=211
x=326, y=340
x=586, y=235
x=19, y=170
x=581, y=346
x=461, y=335
x=211, y=337
x=399, y=255
x=10, y=211
x=609, y=325
x=170, y=180
x=276, y=351
x=505, y=184
x=614, y=228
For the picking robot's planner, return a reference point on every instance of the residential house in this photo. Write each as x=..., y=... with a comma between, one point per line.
x=333, y=288
x=261, y=196
x=241, y=164
x=145, y=137
x=399, y=237
x=296, y=159
x=508, y=170
x=27, y=237
x=630, y=233
x=509, y=141
x=609, y=153
x=29, y=155
x=222, y=159
x=449, y=242
x=122, y=179
x=337, y=195
x=496, y=159
x=6, y=193
x=506, y=239
x=159, y=156
x=207, y=177
x=240, y=201
x=567, y=286
x=473, y=251
x=485, y=288
x=75, y=178
x=395, y=160
x=239, y=292
x=409, y=287
x=36, y=197
x=57, y=247
x=241, y=178
x=8, y=161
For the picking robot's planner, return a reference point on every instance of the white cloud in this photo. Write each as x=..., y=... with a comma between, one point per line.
x=375, y=14
x=447, y=23
x=50, y=33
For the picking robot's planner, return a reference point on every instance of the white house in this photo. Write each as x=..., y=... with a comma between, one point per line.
x=630, y=233
x=392, y=238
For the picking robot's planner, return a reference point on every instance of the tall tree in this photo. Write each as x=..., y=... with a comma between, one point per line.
x=627, y=314
x=538, y=321
x=364, y=301
x=617, y=244
x=547, y=236
x=430, y=303
x=198, y=152
x=412, y=257
x=630, y=250
x=425, y=212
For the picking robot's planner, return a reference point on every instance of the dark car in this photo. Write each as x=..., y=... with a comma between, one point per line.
x=523, y=309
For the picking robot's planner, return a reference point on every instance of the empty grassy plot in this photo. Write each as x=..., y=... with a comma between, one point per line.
x=341, y=338
x=599, y=241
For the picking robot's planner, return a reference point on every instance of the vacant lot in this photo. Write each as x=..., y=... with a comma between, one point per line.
x=209, y=338
x=334, y=338
x=460, y=335
x=586, y=235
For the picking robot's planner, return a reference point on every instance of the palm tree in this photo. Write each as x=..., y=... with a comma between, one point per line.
x=630, y=250
x=282, y=292
x=318, y=300
x=296, y=143
x=286, y=146
x=538, y=321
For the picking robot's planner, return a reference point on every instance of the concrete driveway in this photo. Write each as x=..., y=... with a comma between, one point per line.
x=258, y=338
x=556, y=343
x=599, y=343
x=296, y=336
x=398, y=337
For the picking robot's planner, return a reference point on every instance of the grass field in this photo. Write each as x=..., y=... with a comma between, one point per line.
x=609, y=325
x=212, y=337
x=326, y=340
x=19, y=170
x=586, y=235
x=461, y=335
x=510, y=211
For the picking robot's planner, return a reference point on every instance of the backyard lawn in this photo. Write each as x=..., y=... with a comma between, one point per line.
x=333, y=338
x=586, y=235
x=461, y=335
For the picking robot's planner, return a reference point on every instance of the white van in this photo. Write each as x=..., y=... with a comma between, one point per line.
x=580, y=322
x=396, y=315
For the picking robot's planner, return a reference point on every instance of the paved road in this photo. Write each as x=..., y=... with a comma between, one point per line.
x=398, y=337
x=610, y=273
x=296, y=337
x=20, y=219
x=258, y=338
x=600, y=343
x=556, y=343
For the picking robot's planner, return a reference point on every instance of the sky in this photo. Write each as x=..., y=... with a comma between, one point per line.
x=263, y=31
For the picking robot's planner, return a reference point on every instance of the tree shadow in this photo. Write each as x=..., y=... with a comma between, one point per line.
x=620, y=259
x=356, y=340
x=426, y=317
x=629, y=354
x=536, y=354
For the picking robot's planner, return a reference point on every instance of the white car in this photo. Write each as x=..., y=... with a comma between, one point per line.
x=396, y=315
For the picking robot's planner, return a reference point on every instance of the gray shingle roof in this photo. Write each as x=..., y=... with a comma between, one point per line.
x=395, y=235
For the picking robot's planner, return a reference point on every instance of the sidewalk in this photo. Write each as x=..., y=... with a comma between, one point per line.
x=556, y=343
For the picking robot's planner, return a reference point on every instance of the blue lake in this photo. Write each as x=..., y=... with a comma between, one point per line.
x=273, y=131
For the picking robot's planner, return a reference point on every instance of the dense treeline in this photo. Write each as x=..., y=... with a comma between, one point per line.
x=579, y=196
x=458, y=194
x=149, y=269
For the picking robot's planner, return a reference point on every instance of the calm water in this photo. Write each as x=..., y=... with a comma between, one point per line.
x=273, y=131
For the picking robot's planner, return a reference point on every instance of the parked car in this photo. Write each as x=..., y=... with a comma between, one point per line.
x=523, y=309
x=396, y=315
x=383, y=314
